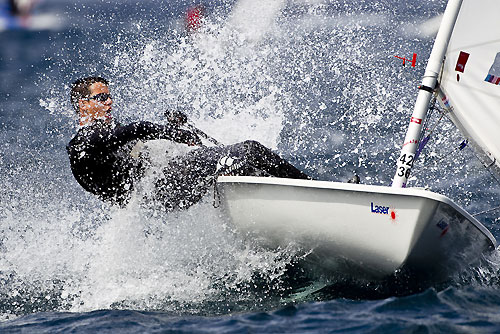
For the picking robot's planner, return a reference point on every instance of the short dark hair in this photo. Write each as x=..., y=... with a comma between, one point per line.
x=80, y=89
x=14, y=8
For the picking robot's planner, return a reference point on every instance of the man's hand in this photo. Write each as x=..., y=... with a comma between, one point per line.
x=194, y=140
x=176, y=117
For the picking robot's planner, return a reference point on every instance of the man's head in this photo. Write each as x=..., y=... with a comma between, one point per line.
x=90, y=97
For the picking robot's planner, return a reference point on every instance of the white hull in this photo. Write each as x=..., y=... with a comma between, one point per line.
x=366, y=232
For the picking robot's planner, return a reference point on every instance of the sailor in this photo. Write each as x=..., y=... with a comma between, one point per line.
x=21, y=8
x=15, y=14
x=104, y=162
x=14, y=8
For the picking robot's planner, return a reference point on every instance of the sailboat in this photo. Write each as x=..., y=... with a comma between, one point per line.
x=373, y=232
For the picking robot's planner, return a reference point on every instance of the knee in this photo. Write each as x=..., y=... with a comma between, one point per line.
x=251, y=142
x=252, y=145
x=245, y=150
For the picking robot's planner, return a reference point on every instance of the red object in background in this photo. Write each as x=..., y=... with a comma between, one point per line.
x=194, y=16
x=413, y=60
x=462, y=60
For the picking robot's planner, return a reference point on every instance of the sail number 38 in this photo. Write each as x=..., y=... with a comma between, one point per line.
x=405, y=163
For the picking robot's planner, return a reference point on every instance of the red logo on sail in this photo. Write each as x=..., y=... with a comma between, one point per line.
x=462, y=60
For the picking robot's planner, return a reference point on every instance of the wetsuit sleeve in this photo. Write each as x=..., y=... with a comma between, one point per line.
x=149, y=131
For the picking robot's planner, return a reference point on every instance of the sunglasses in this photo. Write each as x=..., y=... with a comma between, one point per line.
x=102, y=97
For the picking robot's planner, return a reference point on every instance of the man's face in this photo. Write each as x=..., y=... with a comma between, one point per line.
x=97, y=104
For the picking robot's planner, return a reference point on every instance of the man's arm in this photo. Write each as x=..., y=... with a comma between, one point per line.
x=149, y=131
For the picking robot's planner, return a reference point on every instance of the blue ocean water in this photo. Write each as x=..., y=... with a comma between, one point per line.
x=315, y=80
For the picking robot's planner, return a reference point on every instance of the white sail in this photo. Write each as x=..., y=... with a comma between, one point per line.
x=470, y=83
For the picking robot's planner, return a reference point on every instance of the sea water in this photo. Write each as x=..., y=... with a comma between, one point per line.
x=316, y=81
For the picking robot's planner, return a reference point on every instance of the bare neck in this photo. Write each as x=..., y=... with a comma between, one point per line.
x=87, y=119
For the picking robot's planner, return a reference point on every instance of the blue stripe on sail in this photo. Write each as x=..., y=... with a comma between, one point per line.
x=493, y=79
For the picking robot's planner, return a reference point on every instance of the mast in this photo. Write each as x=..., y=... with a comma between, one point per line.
x=410, y=144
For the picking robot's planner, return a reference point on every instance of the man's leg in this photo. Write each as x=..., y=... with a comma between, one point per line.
x=186, y=179
x=253, y=154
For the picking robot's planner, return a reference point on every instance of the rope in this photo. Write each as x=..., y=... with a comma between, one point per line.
x=216, y=202
x=486, y=211
x=487, y=167
x=203, y=134
x=423, y=139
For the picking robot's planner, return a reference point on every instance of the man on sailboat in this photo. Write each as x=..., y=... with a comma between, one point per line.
x=104, y=158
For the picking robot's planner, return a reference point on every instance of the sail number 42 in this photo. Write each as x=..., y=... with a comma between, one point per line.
x=405, y=163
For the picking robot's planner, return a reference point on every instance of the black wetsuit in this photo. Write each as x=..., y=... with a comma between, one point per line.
x=101, y=162
x=186, y=179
